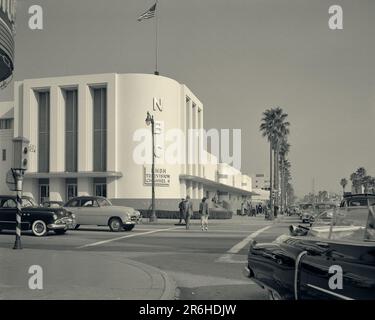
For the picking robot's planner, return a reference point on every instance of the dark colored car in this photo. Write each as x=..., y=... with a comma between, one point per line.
x=334, y=260
x=37, y=219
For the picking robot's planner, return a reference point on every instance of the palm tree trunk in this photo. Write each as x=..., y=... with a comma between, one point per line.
x=282, y=185
x=271, y=204
x=276, y=177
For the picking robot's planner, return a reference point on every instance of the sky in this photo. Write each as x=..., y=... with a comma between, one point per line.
x=239, y=57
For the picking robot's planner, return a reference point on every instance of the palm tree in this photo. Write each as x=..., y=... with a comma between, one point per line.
x=284, y=150
x=361, y=174
x=355, y=182
x=366, y=181
x=343, y=184
x=266, y=128
x=274, y=127
x=281, y=131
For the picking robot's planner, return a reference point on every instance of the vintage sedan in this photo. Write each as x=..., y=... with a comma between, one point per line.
x=325, y=261
x=309, y=215
x=37, y=219
x=99, y=211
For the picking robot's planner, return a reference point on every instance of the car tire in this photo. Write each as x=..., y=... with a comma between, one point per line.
x=129, y=227
x=39, y=228
x=274, y=295
x=77, y=227
x=115, y=224
x=60, y=232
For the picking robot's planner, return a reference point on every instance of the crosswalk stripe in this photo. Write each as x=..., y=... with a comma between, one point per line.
x=125, y=237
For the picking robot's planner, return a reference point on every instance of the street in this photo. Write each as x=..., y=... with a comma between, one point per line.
x=203, y=265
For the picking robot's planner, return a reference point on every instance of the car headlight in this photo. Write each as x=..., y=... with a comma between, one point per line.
x=54, y=216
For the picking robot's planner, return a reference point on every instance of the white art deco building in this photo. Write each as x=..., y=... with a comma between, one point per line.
x=81, y=131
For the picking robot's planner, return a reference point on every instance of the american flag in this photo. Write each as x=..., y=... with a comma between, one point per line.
x=150, y=13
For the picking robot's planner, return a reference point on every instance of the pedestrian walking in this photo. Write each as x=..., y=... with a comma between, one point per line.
x=249, y=208
x=204, y=212
x=181, y=206
x=243, y=208
x=188, y=211
x=260, y=208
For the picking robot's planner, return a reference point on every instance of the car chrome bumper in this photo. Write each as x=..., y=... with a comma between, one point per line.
x=53, y=226
x=129, y=222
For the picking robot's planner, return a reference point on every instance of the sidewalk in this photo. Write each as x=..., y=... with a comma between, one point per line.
x=236, y=220
x=81, y=275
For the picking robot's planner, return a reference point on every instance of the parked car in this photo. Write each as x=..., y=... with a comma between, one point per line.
x=352, y=204
x=301, y=265
x=309, y=215
x=52, y=204
x=37, y=219
x=101, y=212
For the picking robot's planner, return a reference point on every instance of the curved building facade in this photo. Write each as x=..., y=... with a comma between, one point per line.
x=89, y=137
x=7, y=23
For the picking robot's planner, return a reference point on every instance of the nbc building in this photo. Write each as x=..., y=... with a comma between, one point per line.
x=84, y=133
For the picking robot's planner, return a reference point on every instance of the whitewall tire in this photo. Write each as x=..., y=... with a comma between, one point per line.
x=39, y=228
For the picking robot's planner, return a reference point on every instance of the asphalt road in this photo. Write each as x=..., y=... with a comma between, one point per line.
x=204, y=264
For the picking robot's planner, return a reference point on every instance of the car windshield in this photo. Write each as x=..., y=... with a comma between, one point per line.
x=27, y=203
x=306, y=206
x=342, y=224
x=104, y=202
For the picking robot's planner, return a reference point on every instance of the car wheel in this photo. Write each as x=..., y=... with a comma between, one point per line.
x=129, y=227
x=274, y=295
x=115, y=224
x=39, y=228
x=77, y=227
x=59, y=232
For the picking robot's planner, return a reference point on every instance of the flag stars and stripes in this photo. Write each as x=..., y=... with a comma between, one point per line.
x=148, y=14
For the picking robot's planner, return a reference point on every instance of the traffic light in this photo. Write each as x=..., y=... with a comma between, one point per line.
x=21, y=153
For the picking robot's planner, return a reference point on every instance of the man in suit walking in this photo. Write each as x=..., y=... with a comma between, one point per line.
x=188, y=211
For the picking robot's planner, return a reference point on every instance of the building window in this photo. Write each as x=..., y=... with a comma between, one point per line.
x=4, y=155
x=100, y=130
x=71, y=189
x=6, y=124
x=100, y=187
x=71, y=130
x=43, y=190
x=44, y=131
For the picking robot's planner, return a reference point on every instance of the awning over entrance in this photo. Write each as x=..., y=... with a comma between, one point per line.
x=216, y=185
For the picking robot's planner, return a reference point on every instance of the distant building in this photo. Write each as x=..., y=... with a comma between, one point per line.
x=7, y=22
x=260, y=181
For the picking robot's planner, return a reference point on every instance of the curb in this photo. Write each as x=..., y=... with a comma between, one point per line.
x=170, y=290
x=170, y=286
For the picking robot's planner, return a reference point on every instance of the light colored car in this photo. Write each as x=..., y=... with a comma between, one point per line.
x=100, y=211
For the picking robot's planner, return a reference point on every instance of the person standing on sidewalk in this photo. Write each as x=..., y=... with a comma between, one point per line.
x=181, y=206
x=188, y=211
x=204, y=211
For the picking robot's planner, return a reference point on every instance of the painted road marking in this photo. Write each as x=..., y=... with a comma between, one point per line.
x=239, y=246
x=125, y=237
x=228, y=257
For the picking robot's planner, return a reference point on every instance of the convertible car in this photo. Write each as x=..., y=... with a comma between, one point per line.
x=37, y=219
x=332, y=259
x=101, y=212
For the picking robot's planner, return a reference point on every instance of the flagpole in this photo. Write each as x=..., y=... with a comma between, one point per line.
x=156, y=38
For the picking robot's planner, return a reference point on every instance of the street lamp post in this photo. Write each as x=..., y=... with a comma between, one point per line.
x=150, y=120
x=20, y=159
